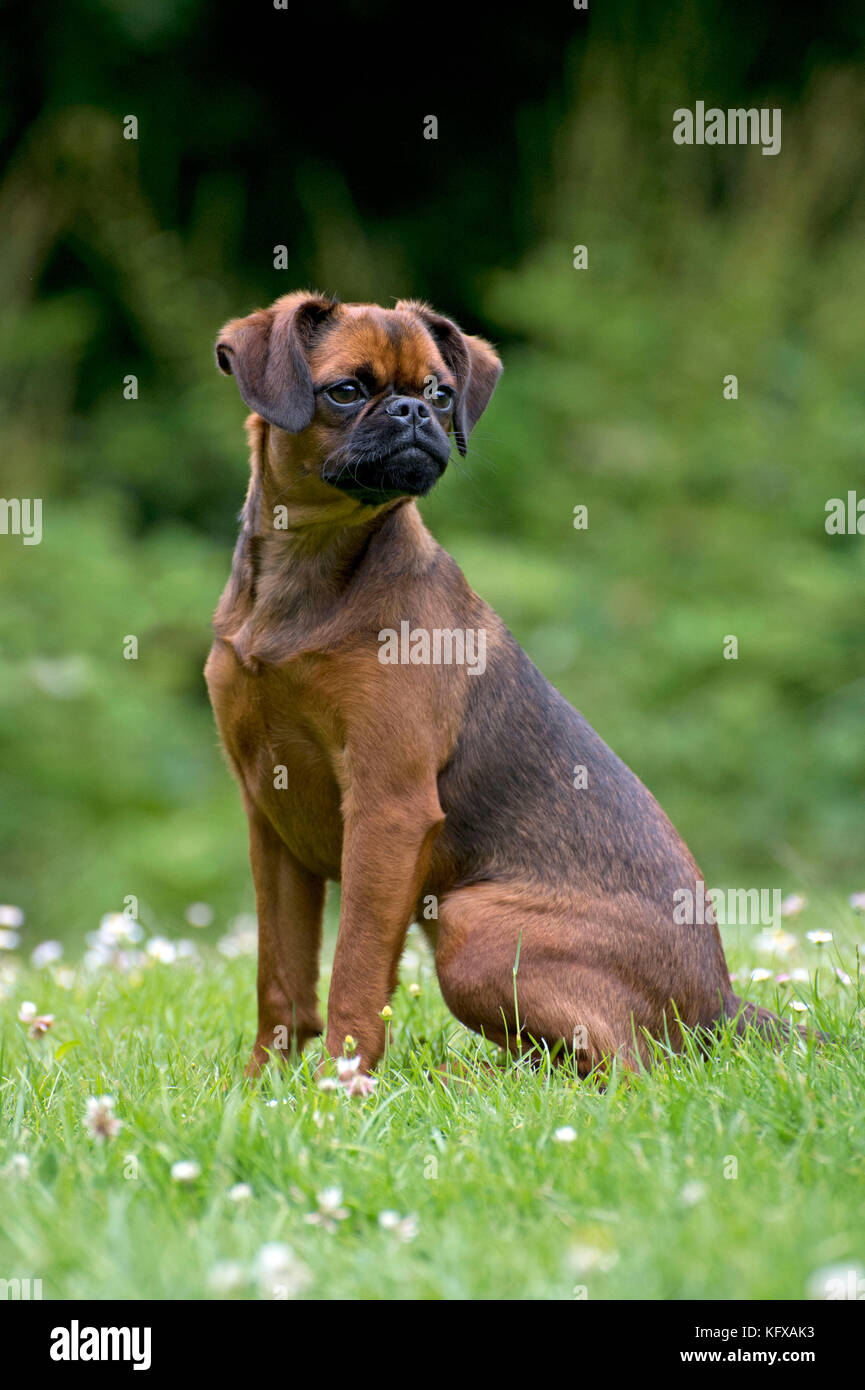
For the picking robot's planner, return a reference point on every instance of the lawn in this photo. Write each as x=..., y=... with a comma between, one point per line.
x=466, y=1175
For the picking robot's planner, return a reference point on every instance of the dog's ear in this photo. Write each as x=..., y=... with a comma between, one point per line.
x=267, y=355
x=473, y=362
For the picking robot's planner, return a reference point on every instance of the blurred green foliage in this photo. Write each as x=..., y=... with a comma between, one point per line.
x=706, y=516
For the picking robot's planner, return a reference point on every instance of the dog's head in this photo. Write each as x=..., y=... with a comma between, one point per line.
x=373, y=396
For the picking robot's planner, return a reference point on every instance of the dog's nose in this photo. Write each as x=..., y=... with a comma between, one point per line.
x=411, y=412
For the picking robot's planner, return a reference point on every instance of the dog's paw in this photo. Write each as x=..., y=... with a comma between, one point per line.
x=262, y=1055
x=257, y=1062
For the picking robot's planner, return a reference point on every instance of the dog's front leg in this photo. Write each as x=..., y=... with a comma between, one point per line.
x=290, y=901
x=388, y=840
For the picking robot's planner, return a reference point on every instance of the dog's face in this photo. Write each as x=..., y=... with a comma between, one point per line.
x=371, y=395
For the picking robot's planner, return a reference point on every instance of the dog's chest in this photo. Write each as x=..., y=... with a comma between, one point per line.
x=285, y=750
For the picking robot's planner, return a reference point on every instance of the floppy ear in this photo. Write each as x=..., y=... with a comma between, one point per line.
x=472, y=361
x=266, y=354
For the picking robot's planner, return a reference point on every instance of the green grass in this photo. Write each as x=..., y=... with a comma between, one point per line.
x=637, y=1205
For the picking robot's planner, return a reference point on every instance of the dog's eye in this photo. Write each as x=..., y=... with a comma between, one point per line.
x=443, y=398
x=345, y=393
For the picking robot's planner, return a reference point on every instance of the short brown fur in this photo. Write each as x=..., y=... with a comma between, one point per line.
x=418, y=783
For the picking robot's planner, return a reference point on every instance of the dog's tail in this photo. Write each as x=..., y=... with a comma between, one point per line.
x=775, y=1030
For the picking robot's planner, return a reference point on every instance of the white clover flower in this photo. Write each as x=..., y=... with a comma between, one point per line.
x=162, y=950
x=46, y=953
x=330, y=1199
x=404, y=1227
x=330, y=1209
x=360, y=1086
x=199, y=914
x=240, y=1192
x=38, y=1024
x=278, y=1271
x=119, y=929
x=102, y=956
x=185, y=1170
x=775, y=943
x=100, y=1119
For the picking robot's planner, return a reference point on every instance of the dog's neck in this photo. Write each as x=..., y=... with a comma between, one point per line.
x=300, y=548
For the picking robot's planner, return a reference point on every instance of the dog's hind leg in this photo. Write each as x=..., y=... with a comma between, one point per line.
x=486, y=930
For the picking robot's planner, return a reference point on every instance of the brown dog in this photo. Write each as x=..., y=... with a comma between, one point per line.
x=368, y=751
